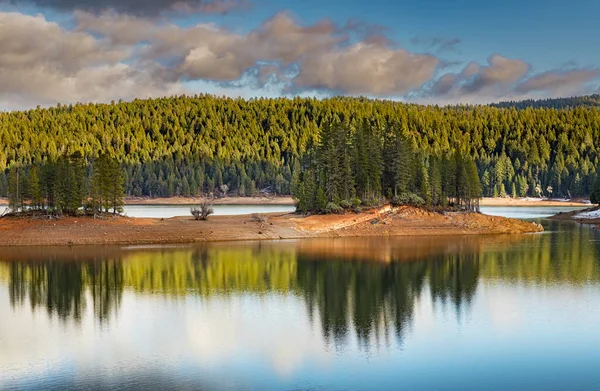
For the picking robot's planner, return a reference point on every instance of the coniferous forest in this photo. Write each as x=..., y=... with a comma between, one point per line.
x=368, y=149
x=67, y=185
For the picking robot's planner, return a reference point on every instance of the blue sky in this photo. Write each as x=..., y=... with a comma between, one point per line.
x=428, y=51
x=547, y=33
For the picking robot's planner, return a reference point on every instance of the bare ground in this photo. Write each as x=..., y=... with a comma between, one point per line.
x=387, y=221
x=573, y=216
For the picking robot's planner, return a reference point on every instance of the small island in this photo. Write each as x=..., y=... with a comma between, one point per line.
x=385, y=221
x=353, y=183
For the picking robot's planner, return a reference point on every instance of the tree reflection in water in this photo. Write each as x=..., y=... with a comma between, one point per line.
x=348, y=291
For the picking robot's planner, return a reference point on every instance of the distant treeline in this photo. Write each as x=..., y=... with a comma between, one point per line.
x=68, y=185
x=205, y=144
x=554, y=103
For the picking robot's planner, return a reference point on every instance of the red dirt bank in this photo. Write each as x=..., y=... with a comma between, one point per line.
x=402, y=221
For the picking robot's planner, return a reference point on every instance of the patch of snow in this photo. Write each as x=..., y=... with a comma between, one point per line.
x=532, y=199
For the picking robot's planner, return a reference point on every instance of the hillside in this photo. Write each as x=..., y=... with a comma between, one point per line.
x=205, y=144
x=556, y=103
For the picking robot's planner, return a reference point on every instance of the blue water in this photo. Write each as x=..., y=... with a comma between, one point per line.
x=446, y=313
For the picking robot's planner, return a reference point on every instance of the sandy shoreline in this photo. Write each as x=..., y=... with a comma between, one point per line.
x=402, y=221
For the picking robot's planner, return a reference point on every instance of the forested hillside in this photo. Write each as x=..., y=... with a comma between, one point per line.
x=556, y=103
x=205, y=144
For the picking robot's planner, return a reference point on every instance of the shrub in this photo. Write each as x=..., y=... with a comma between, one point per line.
x=408, y=198
x=345, y=204
x=202, y=212
x=333, y=208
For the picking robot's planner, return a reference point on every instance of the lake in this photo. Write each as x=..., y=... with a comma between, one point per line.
x=167, y=211
x=437, y=313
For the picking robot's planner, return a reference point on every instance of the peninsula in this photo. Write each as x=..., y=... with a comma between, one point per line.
x=385, y=221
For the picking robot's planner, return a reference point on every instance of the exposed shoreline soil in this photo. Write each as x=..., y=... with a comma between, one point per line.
x=573, y=217
x=386, y=221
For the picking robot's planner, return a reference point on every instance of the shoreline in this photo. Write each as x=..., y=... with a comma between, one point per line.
x=574, y=216
x=383, y=222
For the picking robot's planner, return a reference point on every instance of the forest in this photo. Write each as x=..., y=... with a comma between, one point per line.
x=365, y=166
x=67, y=185
x=553, y=103
x=203, y=144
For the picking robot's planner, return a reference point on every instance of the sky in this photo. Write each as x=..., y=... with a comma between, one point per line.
x=424, y=51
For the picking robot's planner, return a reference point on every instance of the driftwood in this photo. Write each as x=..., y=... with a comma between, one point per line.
x=258, y=218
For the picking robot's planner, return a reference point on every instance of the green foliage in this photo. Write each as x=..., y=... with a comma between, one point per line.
x=555, y=103
x=332, y=208
x=595, y=196
x=62, y=186
x=408, y=198
x=35, y=193
x=106, y=189
x=321, y=201
x=194, y=145
x=15, y=193
x=345, y=204
x=415, y=177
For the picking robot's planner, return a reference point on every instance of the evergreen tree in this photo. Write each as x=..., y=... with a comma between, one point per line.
x=35, y=193
x=115, y=186
x=595, y=195
x=14, y=189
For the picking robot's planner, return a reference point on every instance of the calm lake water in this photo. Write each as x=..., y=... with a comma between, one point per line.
x=437, y=313
x=167, y=211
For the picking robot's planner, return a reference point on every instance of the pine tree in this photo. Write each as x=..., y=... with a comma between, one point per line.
x=116, y=191
x=70, y=177
x=321, y=200
x=595, y=196
x=35, y=193
x=14, y=190
x=435, y=180
x=23, y=188
x=474, y=186
x=98, y=185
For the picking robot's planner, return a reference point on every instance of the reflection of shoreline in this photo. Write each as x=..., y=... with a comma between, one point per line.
x=392, y=249
x=46, y=274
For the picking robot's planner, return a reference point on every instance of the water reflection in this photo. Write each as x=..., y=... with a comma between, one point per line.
x=362, y=287
x=378, y=313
